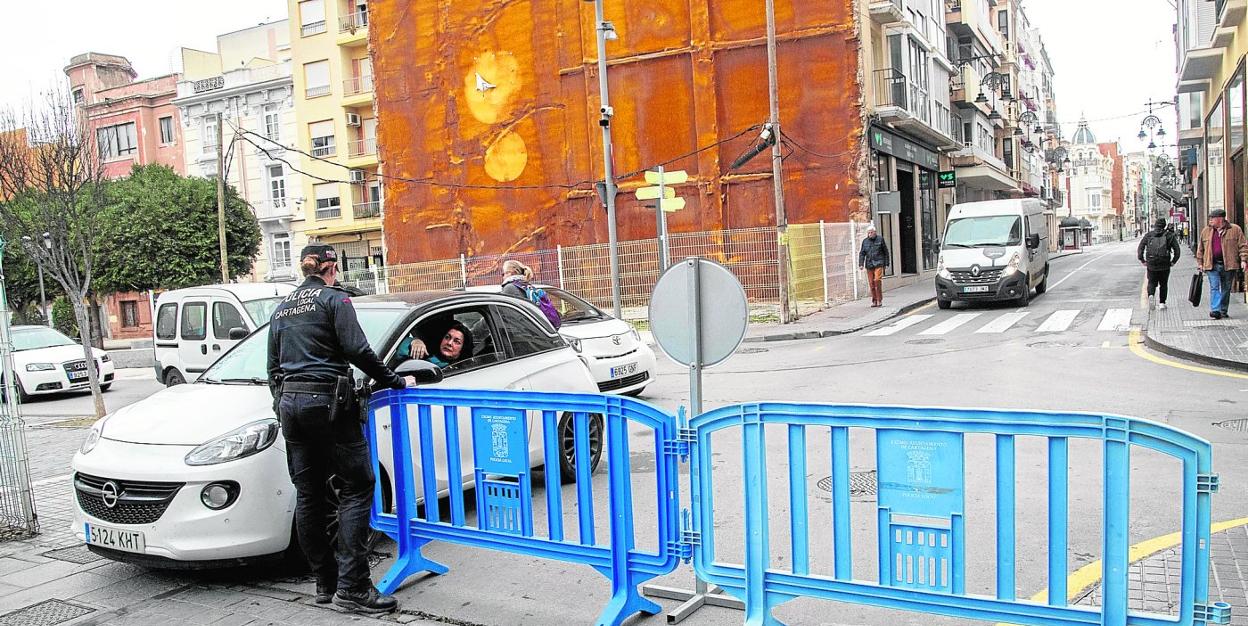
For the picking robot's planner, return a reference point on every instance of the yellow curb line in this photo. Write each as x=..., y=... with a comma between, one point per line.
x=1137, y=348
x=1090, y=574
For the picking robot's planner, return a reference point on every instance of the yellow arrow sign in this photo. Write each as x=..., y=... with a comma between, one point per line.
x=651, y=193
x=676, y=177
x=673, y=205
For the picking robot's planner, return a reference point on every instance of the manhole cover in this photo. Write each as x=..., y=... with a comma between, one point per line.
x=1054, y=344
x=74, y=554
x=45, y=613
x=751, y=350
x=924, y=342
x=861, y=485
x=1239, y=425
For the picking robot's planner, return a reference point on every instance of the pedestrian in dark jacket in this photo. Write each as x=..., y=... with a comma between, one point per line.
x=1158, y=252
x=874, y=257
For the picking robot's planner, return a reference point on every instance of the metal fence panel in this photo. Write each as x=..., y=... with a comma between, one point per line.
x=921, y=542
x=17, y=504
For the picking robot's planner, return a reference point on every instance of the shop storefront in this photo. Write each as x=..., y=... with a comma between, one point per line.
x=907, y=206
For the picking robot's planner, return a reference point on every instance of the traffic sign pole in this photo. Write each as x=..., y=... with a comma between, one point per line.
x=661, y=217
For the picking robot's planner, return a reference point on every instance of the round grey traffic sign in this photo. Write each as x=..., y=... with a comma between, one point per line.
x=698, y=312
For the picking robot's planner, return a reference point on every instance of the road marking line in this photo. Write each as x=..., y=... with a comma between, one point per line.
x=1003, y=323
x=1116, y=320
x=1105, y=344
x=1059, y=321
x=900, y=325
x=950, y=324
x=1076, y=271
x=1136, y=343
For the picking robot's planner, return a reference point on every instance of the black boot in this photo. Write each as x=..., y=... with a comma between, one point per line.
x=325, y=591
x=369, y=601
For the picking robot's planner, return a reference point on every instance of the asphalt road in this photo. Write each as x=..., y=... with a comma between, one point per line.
x=129, y=386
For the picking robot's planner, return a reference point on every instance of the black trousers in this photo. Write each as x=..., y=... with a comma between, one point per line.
x=316, y=450
x=1159, y=278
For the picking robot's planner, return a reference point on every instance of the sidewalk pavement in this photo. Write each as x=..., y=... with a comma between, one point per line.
x=1188, y=332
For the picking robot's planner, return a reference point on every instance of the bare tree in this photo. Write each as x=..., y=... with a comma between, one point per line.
x=52, y=181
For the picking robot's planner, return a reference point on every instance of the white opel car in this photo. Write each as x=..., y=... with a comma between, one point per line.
x=45, y=361
x=612, y=349
x=196, y=476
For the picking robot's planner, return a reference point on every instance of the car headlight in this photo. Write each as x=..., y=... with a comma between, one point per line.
x=40, y=367
x=636, y=335
x=237, y=444
x=574, y=342
x=93, y=437
x=943, y=271
x=1012, y=268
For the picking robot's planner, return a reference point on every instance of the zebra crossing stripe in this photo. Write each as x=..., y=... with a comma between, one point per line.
x=1116, y=319
x=1058, y=321
x=950, y=324
x=902, y=324
x=1003, y=323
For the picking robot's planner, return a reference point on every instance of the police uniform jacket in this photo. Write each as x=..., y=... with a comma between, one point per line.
x=314, y=334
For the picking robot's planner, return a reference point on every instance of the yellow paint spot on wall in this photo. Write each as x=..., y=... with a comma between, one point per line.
x=506, y=159
x=490, y=86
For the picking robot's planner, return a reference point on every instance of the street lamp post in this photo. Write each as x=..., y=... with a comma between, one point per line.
x=604, y=31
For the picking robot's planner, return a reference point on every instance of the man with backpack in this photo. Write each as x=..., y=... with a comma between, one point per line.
x=1158, y=251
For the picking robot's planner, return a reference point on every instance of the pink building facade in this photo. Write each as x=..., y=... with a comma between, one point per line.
x=134, y=123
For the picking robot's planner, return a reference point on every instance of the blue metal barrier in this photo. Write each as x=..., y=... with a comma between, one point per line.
x=920, y=513
x=501, y=463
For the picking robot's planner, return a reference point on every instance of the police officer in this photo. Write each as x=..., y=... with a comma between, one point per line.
x=313, y=337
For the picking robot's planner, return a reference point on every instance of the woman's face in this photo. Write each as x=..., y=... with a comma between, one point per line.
x=452, y=344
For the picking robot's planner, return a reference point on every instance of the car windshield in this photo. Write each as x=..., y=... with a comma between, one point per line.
x=35, y=338
x=573, y=309
x=261, y=310
x=981, y=232
x=247, y=363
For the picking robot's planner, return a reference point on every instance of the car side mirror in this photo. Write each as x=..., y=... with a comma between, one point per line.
x=238, y=332
x=424, y=372
x=1033, y=241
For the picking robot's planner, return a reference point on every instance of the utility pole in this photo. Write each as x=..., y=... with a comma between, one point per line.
x=225, y=271
x=777, y=165
x=608, y=169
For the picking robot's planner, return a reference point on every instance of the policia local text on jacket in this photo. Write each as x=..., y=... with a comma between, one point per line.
x=314, y=337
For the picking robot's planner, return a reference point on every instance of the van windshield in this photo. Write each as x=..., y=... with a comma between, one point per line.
x=261, y=310
x=982, y=232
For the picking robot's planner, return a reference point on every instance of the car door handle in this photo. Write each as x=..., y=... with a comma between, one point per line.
x=216, y=348
x=203, y=348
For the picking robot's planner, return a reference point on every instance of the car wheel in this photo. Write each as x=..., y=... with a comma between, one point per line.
x=943, y=304
x=1024, y=299
x=106, y=386
x=567, y=445
x=22, y=396
x=174, y=377
x=1044, y=283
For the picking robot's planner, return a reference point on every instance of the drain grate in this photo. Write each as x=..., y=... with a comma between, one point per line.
x=862, y=485
x=924, y=342
x=45, y=613
x=74, y=554
x=751, y=350
x=1238, y=425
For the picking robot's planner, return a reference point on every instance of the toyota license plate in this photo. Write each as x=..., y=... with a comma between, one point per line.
x=977, y=289
x=124, y=540
x=624, y=370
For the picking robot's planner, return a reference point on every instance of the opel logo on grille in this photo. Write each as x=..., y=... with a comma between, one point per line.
x=615, y=340
x=109, y=493
x=975, y=271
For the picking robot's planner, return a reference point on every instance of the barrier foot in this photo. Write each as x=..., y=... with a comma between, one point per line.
x=407, y=566
x=624, y=603
x=693, y=600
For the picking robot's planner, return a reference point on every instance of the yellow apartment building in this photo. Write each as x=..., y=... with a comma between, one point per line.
x=337, y=128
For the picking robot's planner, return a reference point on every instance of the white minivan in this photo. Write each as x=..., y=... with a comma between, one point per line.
x=193, y=326
x=993, y=251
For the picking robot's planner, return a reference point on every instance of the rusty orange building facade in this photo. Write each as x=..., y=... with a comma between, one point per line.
x=488, y=118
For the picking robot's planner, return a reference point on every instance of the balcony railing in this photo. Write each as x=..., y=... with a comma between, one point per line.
x=273, y=209
x=362, y=147
x=352, y=22
x=329, y=213
x=324, y=151
x=318, y=91
x=366, y=210
x=210, y=148
x=313, y=28
x=893, y=89
x=357, y=85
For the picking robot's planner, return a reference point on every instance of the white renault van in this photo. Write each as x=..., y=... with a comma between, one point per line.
x=993, y=251
x=196, y=325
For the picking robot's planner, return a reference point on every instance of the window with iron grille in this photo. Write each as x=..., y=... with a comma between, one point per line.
x=328, y=201
x=322, y=135
x=129, y=314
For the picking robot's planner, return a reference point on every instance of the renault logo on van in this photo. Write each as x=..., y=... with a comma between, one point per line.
x=975, y=271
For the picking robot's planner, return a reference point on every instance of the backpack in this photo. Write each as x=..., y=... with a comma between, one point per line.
x=538, y=297
x=1157, y=250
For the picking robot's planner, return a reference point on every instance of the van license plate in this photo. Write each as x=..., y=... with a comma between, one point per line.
x=624, y=370
x=125, y=540
x=976, y=289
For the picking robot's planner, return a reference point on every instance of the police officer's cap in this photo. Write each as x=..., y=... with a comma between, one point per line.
x=323, y=253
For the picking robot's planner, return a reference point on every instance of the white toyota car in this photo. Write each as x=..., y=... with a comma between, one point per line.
x=196, y=476
x=612, y=349
x=45, y=361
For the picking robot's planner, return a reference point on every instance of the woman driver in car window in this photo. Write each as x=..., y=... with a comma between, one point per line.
x=454, y=345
